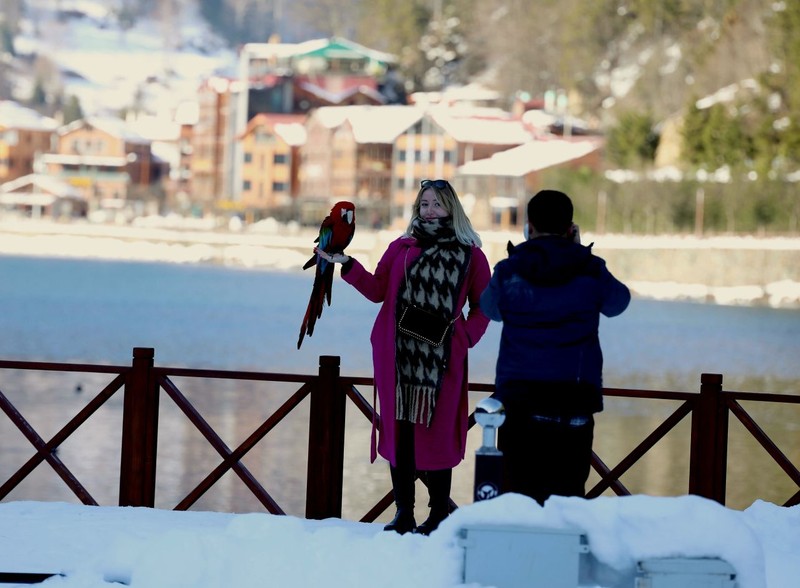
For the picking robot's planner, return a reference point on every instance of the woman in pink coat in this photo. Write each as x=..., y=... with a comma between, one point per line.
x=436, y=265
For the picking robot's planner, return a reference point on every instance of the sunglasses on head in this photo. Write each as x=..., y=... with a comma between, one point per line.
x=438, y=184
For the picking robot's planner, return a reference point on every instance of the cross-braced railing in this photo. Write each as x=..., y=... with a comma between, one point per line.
x=145, y=386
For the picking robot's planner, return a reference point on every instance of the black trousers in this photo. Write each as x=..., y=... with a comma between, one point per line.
x=542, y=457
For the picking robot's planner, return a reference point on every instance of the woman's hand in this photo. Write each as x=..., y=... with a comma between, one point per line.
x=575, y=232
x=335, y=258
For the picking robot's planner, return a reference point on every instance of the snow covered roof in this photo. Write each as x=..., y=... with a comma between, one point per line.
x=289, y=127
x=331, y=117
x=293, y=133
x=338, y=97
x=44, y=183
x=15, y=116
x=113, y=126
x=530, y=157
x=539, y=119
x=333, y=47
x=269, y=50
x=487, y=131
x=383, y=124
x=155, y=128
x=371, y=124
x=471, y=93
x=340, y=47
x=167, y=152
x=187, y=112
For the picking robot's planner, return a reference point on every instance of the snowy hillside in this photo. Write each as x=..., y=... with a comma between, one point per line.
x=151, y=68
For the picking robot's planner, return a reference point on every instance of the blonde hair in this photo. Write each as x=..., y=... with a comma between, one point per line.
x=449, y=200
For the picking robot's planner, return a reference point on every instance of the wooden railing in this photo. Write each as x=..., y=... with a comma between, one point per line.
x=143, y=383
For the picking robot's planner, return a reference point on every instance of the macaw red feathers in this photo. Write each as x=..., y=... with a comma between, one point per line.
x=335, y=233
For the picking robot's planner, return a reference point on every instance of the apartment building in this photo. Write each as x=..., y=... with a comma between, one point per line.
x=441, y=141
x=24, y=133
x=113, y=167
x=349, y=155
x=377, y=156
x=296, y=78
x=356, y=146
x=271, y=146
x=212, y=140
x=41, y=196
x=500, y=185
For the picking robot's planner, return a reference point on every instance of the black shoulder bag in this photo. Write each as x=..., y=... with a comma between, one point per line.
x=422, y=324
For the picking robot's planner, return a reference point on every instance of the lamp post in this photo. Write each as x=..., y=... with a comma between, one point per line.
x=489, y=414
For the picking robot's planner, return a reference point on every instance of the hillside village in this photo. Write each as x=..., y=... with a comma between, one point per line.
x=287, y=131
x=151, y=112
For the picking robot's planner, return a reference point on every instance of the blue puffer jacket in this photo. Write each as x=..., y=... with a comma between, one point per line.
x=549, y=294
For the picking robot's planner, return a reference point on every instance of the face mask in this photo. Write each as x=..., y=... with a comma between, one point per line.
x=526, y=231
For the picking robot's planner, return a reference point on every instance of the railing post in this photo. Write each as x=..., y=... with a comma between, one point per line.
x=137, y=478
x=708, y=462
x=326, y=443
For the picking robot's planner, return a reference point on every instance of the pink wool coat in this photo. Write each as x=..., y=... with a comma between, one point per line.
x=442, y=445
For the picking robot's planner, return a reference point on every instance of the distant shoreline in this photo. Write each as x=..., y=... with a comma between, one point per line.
x=744, y=271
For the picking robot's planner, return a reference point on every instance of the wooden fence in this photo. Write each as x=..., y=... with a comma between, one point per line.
x=143, y=384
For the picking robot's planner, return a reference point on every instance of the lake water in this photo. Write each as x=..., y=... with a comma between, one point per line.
x=68, y=310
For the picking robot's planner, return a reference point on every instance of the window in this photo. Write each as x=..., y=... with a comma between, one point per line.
x=279, y=158
x=248, y=157
x=246, y=185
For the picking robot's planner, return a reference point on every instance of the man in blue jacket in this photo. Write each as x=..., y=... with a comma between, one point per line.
x=549, y=295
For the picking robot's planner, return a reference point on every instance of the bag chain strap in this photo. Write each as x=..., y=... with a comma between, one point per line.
x=408, y=289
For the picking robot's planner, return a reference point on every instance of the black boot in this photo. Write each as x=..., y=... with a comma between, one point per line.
x=403, y=521
x=403, y=480
x=439, y=482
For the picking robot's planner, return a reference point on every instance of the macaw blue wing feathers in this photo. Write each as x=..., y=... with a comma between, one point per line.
x=335, y=233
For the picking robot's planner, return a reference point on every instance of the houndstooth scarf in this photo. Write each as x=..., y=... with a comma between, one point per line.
x=433, y=282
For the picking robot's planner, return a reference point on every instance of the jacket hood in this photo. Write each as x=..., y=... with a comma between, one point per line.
x=550, y=260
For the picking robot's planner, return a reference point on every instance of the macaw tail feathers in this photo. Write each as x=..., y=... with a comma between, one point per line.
x=320, y=293
x=327, y=276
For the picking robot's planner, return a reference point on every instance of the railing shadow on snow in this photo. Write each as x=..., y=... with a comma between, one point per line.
x=144, y=385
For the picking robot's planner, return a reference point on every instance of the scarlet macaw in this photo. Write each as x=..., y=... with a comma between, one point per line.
x=335, y=233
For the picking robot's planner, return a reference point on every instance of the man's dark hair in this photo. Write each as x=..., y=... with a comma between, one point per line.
x=550, y=211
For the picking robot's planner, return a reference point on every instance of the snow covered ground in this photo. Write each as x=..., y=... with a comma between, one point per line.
x=268, y=245
x=92, y=547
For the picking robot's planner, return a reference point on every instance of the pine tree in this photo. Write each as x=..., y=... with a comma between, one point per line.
x=633, y=141
x=72, y=110
x=39, y=94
